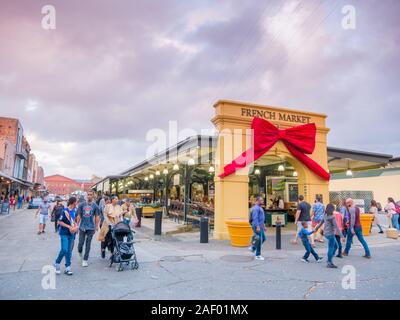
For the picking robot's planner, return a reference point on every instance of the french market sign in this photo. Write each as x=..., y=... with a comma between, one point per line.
x=275, y=116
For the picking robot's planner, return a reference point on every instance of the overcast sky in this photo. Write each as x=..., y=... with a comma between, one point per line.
x=88, y=92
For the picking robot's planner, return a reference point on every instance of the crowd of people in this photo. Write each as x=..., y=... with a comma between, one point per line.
x=82, y=218
x=338, y=224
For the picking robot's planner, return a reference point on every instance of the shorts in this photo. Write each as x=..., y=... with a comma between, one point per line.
x=299, y=226
x=43, y=218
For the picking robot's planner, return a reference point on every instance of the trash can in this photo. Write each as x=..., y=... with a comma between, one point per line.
x=366, y=221
x=204, y=230
x=158, y=223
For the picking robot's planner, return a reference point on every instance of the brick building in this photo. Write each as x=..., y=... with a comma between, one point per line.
x=60, y=185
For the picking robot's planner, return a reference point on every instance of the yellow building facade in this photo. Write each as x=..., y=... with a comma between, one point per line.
x=233, y=122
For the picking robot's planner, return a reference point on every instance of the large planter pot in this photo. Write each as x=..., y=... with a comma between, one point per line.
x=366, y=220
x=240, y=232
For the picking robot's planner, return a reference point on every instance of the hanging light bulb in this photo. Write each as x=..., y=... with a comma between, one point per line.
x=281, y=168
x=146, y=178
x=158, y=173
x=257, y=172
x=176, y=167
x=191, y=162
x=349, y=173
x=165, y=171
x=211, y=169
x=151, y=176
x=295, y=174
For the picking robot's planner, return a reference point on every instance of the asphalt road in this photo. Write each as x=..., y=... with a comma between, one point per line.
x=179, y=267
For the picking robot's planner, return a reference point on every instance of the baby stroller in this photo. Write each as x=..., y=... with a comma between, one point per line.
x=122, y=237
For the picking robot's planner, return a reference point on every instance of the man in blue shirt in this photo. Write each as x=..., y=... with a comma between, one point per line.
x=88, y=219
x=258, y=225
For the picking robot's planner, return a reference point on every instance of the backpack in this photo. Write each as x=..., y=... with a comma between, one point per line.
x=397, y=208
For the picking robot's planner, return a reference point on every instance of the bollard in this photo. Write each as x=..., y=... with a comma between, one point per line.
x=139, y=216
x=278, y=235
x=204, y=230
x=157, y=223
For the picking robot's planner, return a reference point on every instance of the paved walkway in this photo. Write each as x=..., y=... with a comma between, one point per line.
x=179, y=267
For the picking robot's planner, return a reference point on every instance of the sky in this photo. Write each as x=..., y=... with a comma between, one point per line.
x=89, y=91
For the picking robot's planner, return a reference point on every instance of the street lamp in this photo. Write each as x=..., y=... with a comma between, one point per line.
x=211, y=169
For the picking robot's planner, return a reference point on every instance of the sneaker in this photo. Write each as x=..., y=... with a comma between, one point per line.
x=39, y=232
x=68, y=272
x=85, y=263
x=58, y=268
x=380, y=232
x=339, y=256
x=320, y=259
x=331, y=266
x=366, y=257
x=261, y=258
x=305, y=260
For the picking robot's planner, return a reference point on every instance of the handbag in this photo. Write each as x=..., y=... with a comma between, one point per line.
x=255, y=240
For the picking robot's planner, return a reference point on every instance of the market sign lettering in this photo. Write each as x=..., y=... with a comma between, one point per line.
x=275, y=116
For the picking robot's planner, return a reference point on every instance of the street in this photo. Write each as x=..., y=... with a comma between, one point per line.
x=179, y=267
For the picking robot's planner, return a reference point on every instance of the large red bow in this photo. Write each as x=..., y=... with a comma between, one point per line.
x=298, y=140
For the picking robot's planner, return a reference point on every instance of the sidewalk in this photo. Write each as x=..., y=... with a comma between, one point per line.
x=179, y=267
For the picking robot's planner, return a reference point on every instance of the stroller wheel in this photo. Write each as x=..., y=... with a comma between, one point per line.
x=120, y=267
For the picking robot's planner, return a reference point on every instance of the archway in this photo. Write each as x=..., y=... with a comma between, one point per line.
x=233, y=121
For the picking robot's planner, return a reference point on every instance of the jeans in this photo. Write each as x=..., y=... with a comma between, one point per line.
x=395, y=221
x=263, y=238
x=66, y=249
x=332, y=247
x=85, y=235
x=358, y=233
x=339, y=242
x=309, y=250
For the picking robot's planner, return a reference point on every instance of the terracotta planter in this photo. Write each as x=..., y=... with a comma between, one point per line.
x=240, y=232
x=366, y=221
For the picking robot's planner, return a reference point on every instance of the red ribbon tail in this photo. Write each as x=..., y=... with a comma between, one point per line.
x=308, y=162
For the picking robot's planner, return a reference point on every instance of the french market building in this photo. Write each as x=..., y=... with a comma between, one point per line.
x=289, y=156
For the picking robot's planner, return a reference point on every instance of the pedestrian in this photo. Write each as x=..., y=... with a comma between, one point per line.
x=129, y=212
x=44, y=210
x=330, y=230
x=112, y=215
x=258, y=225
x=339, y=222
x=304, y=235
x=392, y=214
x=318, y=210
x=88, y=219
x=373, y=209
x=302, y=215
x=355, y=229
x=67, y=231
x=12, y=202
x=20, y=202
x=57, y=212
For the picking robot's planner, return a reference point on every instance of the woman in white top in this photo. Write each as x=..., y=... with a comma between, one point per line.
x=392, y=214
x=373, y=209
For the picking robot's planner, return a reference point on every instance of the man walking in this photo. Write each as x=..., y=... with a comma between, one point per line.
x=318, y=210
x=88, y=219
x=355, y=229
x=43, y=209
x=258, y=225
x=302, y=215
x=57, y=211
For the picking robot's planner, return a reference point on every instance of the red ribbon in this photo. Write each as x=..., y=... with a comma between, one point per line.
x=298, y=140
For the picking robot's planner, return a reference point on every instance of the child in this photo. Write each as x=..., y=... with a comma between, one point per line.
x=303, y=235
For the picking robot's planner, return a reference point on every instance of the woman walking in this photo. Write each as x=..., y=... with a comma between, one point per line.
x=330, y=230
x=373, y=209
x=392, y=214
x=112, y=215
x=67, y=231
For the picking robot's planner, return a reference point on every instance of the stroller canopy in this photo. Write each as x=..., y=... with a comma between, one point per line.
x=121, y=228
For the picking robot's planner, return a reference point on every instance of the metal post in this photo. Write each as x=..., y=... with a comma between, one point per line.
x=204, y=230
x=157, y=223
x=278, y=235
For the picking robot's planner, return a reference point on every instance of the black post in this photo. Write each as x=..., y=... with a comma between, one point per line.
x=204, y=230
x=139, y=216
x=157, y=223
x=278, y=235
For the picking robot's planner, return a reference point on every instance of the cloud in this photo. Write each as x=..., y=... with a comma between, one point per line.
x=90, y=90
